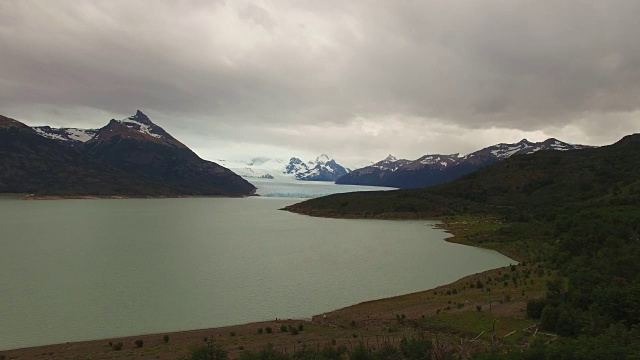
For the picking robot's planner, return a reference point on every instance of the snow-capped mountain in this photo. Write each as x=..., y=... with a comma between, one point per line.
x=142, y=128
x=143, y=153
x=390, y=163
x=322, y=168
x=502, y=151
x=435, y=169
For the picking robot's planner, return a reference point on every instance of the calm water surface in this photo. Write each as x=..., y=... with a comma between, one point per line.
x=86, y=269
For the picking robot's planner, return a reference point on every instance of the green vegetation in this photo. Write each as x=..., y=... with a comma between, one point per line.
x=139, y=343
x=117, y=346
x=209, y=351
x=165, y=339
x=414, y=348
x=575, y=214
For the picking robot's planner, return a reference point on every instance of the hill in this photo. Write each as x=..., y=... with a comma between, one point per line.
x=576, y=213
x=523, y=183
x=435, y=169
x=131, y=157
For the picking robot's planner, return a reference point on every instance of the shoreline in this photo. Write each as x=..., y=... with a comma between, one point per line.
x=323, y=328
x=19, y=196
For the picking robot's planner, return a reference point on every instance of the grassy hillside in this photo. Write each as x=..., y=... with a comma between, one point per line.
x=540, y=185
x=577, y=212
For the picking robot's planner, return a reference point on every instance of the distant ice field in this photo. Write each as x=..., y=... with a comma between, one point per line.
x=305, y=189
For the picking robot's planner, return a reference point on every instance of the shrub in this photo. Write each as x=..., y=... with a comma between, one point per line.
x=416, y=348
x=259, y=330
x=479, y=307
x=117, y=346
x=210, y=350
x=300, y=327
x=283, y=328
x=139, y=343
x=360, y=352
x=268, y=329
x=165, y=339
x=110, y=343
x=232, y=333
x=293, y=330
x=535, y=307
x=268, y=352
x=549, y=318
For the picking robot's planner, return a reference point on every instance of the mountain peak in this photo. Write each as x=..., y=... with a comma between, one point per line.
x=140, y=118
x=390, y=158
x=323, y=158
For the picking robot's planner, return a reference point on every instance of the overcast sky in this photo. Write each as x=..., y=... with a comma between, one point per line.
x=355, y=79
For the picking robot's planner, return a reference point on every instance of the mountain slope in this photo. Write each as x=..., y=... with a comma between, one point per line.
x=538, y=183
x=133, y=156
x=30, y=163
x=437, y=169
x=574, y=214
x=137, y=145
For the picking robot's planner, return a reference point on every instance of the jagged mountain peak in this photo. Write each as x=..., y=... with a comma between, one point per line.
x=141, y=122
x=390, y=158
x=323, y=158
x=138, y=127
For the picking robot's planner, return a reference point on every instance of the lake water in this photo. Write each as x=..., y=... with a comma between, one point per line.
x=86, y=269
x=291, y=188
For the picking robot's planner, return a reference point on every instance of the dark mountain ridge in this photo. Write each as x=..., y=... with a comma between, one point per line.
x=435, y=169
x=132, y=157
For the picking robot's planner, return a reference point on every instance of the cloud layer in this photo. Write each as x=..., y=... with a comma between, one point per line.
x=353, y=78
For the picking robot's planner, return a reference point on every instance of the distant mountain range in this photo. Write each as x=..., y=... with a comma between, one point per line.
x=434, y=169
x=129, y=157
x=323, y=168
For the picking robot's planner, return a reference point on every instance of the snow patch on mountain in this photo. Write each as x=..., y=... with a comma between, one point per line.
x=72, y=135
x=140, y=122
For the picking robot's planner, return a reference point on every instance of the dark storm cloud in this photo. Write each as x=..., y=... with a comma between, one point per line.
x=373, y=73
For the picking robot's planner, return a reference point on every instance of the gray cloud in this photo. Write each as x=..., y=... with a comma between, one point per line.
x=366, y=77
